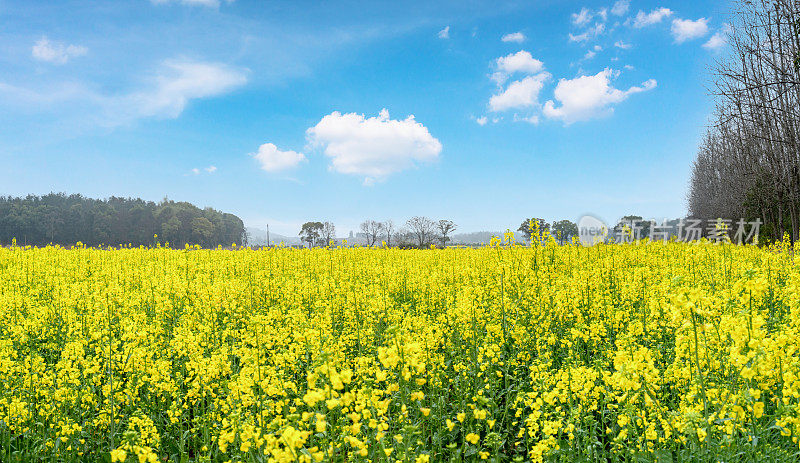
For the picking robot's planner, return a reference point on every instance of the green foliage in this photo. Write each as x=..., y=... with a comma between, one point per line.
x=66, y=220
x=564, y=230
x=311, y=233
x=526, y=228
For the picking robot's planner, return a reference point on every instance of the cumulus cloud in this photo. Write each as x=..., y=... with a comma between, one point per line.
x=211, y=169
x=622, y=45
x=56, y=52
x=517, y=37
x=272, y=159
x=719, y=39
x=482, y=120
x=588, y=97
x=582, y=18
x=686, y=29
x=519, y=94
x=519, y=62
x=208, y=3
x=643, y=19
x=620, y=7
x=444, y=33
x=373, y=147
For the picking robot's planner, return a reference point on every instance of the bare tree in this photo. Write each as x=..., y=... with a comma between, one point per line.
x=423, y=230
x=372, y=230
x=445, y=228
x=388, y=227
x=749, y=162
x=328, y=233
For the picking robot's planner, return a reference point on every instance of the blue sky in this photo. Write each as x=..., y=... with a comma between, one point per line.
x=283, y=112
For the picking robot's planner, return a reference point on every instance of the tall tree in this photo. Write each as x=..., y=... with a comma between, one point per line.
x=445, y=227
x=564, y=230
x=372, y=231
x=422, y=229
x=311, y=232
x=748, y=165
x=328, y=233
x=528, y=226
x=388, y=228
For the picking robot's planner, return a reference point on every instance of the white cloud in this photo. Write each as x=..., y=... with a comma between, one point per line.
x=620, y=7
x=55, y=52
x=444, y=33
x=209, y=170
x=519, y=94
x=374, y=147
x=592, y=53
x=603, y=13
x=482, y=120
x=582, y=18
x=178, y=82
x=719, y=39
x=622, y=45
x=274, y=160
x=643, y=19
x=628, y=67
x=686, y=29
x=517, y=37
x=587, y=97
x=165, y=94
x=209, y=3
x=521, y=61
x=588, y=34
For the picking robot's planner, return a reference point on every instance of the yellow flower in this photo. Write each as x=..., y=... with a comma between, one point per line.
x=758, y=409
x=118, y=455
x=425, y=411
x=472, y=438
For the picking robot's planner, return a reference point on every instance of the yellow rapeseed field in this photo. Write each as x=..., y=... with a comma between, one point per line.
x=654, y=352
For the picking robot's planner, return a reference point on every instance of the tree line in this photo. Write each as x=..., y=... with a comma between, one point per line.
x=748, y=164
x=66, y=220
x=419, y=232
x=423, y=232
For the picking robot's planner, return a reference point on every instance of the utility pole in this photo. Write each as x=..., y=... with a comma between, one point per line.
x=267, y=235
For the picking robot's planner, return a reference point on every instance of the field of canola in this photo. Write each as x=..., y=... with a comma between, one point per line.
x=655, y=352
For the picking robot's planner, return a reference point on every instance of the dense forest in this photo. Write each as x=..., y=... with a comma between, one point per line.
x=66, y=220
x=748, y=165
